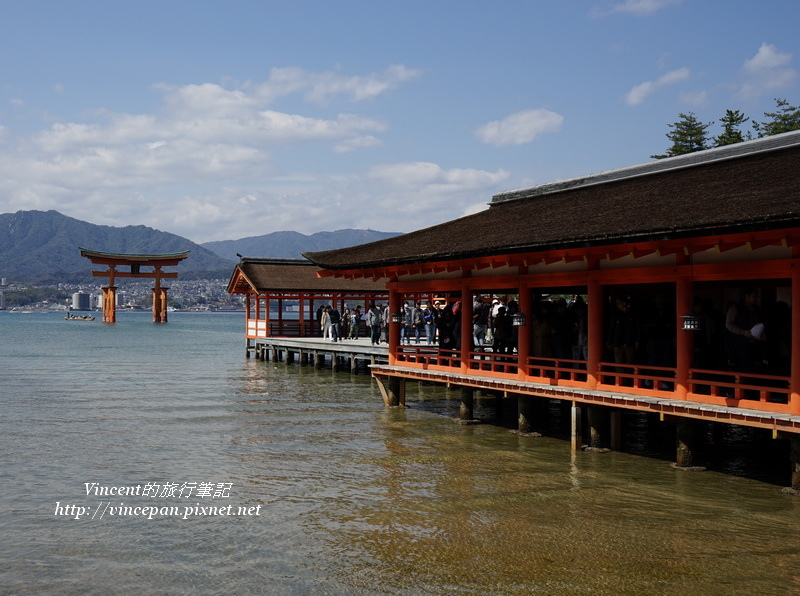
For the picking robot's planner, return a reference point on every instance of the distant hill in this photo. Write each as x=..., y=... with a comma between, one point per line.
x=42, y=246
x=292, y=244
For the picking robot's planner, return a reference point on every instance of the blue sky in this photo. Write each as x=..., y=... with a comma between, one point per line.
x=221, y=120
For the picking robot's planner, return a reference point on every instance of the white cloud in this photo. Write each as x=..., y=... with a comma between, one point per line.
x=359, y=142
x=769, y=70
x=636, y=7
x=641, y=91
x=520, y=128
x=209, y=164
x=695, y=98
x=324, y=87
x=767, y=58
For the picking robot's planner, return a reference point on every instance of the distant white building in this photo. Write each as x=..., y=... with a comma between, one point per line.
x=81, y=301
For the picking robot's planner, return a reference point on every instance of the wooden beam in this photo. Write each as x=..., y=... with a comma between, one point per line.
x=162, y=275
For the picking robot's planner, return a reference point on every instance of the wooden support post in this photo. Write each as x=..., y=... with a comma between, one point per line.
x=466, y=410
x=397, y=392
x=303, y=358
x=394, y=329
x=616, y=429
x=393, y=391
x=576, y=440
x=598, y=427
x=794, y=384
x=334, y=362
x=687, y=443
x=164, y=304
x=353, y=364
x=247, y=348
x=685, y=339
x=524, y=332
x=318, y=360
x=466, y=328
x=275, y=355
x=289, y=356
x=525, y=413
x=795, y=458
x=157, y=296
x=594, y=333
x=109, y=304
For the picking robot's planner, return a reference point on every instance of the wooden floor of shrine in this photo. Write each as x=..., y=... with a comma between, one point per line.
x=319, y=352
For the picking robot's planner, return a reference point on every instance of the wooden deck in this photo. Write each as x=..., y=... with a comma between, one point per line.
x=319, y=352
x=665, y=407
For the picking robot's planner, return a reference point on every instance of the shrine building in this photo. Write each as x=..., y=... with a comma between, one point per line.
x=671, y=287
x=282, y=296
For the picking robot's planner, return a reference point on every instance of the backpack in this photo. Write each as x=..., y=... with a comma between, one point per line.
x=428, y=317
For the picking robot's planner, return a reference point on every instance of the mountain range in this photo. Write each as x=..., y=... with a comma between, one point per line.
x=44, y=247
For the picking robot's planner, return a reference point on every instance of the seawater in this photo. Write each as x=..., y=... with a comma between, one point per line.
x=351, y=498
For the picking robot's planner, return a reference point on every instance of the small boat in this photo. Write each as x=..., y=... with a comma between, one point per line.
x=71, y=317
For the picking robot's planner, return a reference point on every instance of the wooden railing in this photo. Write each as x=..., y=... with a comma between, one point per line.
x=747, y=390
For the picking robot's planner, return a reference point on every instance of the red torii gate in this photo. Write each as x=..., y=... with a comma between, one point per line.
x=135, y=262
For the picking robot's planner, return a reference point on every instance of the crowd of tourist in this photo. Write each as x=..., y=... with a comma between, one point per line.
x=637, y=329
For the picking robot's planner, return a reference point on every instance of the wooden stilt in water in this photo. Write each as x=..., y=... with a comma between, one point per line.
x=687, y=442
x=397, y=392
x=466, y=408
x=598, y=428
x=576, y=440
x=794, y=489
x=525, y=413
x=616, y=430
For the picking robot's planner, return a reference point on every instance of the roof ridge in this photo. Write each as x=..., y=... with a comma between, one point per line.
x=736, y=150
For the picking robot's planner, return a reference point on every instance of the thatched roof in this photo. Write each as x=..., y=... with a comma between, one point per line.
x=748, y=186
x=292, y=275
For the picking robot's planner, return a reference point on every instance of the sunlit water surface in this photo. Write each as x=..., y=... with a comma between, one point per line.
x=354, y=498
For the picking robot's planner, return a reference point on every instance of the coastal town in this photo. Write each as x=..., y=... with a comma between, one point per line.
x=195, y=295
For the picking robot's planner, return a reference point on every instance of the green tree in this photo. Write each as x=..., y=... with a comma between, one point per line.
x=687, y=136
x=784, y=119
x=731, y=133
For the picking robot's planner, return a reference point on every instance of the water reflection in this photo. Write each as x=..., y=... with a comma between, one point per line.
x=406, y=501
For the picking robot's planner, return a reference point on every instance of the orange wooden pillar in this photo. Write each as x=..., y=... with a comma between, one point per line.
x=164, y=304
x=394, y=328
x=466, y=327
x=794, y=395
x=110, y=297
x=156, y=304
x=523, y=332
x=594, y=332
x=684, y=341
x=109, y=304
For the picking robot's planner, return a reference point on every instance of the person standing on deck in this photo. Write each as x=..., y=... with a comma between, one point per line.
x=335, y=318
x=325, y=322
x=743, y=322
x=374, y=319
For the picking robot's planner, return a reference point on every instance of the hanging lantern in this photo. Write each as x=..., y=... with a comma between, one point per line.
x=691, y=322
